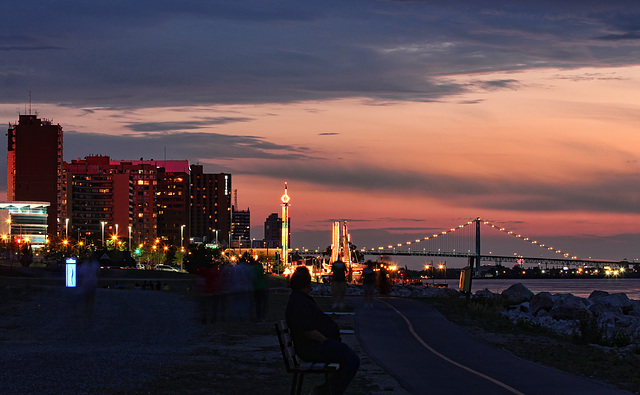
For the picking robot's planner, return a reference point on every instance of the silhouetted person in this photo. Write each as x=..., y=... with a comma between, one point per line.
x=368, y=284
x=88, y=283
x=338, y=283
x=383, y=279
x=260, y=290
x=316, y=336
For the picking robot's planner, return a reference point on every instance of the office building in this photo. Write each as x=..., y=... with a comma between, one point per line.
x=240, y=227
x=34, y=166
x=273, y=231
x=24, y=222
x=99, y=201
x=173, y=206
x=210, y=206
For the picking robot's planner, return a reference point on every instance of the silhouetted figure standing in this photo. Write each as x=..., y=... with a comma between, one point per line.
x=383, y=279
x=88, y=284
x=368, y=284
x=338, y=283
x=260, y=290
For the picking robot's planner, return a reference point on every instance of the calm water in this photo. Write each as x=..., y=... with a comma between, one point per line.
x=577, y=287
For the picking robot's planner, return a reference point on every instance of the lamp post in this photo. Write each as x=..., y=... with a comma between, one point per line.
x=129, y=237
x=66, y=228
x=103, y=223
x=182, y=237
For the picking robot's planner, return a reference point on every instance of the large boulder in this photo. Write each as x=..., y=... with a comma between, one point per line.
x=568, y=307
x=517, y=293
x=485, y=293
x=614, y=301
x=540, y=301
x=598, y=294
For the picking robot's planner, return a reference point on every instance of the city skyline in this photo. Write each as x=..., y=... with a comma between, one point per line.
x=403, y=118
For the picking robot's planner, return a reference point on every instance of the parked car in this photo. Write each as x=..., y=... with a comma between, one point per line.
x=167, y=268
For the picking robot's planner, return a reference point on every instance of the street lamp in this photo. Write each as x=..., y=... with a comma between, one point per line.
x=129, y=237
x=66, y=228
x=182, y=236
x=103, y=223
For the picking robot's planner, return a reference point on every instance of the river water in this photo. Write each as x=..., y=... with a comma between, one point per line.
x=578, y=287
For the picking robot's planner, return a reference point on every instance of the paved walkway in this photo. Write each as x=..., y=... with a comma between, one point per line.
x=429, y=355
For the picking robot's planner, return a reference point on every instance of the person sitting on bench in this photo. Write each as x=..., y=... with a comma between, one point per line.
x=316, y=336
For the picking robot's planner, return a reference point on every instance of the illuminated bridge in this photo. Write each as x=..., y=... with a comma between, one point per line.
x=464, y=241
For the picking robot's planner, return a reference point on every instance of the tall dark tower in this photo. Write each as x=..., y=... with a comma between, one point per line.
x=34, y=166
x=210, y=206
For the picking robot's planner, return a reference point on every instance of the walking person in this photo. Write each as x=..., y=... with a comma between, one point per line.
x=338, y=283
x=368, y=284
x=316, y=336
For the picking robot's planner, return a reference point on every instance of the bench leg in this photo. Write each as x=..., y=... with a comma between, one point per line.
x=327, y=377
x=296, y=382
x=300, y=380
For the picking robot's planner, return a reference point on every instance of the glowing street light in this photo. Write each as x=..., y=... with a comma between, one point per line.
x=103, y=223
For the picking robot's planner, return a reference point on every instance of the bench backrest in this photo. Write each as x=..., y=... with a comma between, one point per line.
x=291, y=360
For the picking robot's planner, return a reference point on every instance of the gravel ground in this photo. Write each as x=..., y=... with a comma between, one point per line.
x=51, y=346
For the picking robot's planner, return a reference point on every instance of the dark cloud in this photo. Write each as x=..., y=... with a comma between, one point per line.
x=23, y=48
x=623, y=36
x=191, y=146
x=499, y=84
x=184, y=125
x=328, y=134
x=141, y=54
x=612, y=193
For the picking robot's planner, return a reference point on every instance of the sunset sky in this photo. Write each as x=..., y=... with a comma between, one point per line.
x=404, y=118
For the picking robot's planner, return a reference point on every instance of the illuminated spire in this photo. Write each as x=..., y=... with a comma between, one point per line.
x=285, y=226
x=285, y=198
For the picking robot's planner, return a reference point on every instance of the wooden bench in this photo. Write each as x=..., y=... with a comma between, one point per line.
x=294, y=364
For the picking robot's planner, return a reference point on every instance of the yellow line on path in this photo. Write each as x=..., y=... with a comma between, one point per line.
x=451, y=361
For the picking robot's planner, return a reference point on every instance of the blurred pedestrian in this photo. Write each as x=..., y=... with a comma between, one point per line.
x=383, y=281
x=368, y=284
x=87, y=285
x=338, y=283
x=260, y=290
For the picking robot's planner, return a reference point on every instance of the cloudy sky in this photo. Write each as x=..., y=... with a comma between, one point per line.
x=403, y=117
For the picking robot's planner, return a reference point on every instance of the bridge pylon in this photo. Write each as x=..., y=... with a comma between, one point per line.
x=478, y=251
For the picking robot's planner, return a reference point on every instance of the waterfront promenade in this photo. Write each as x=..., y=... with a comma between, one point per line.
x=434, y=356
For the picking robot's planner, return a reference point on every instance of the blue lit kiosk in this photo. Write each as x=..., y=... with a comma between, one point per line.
x=24, y=221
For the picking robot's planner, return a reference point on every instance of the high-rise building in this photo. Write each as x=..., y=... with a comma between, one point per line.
x=173, y=206
x=99, y=200
x=151, y=195
x=273, y=231
x=210, y=206
x=143, y=199
x=240, y=227
x=34, y=166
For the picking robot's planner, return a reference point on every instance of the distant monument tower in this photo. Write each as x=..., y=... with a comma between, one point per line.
x=285, y=226
x=340, y=240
